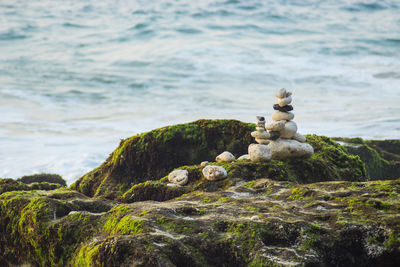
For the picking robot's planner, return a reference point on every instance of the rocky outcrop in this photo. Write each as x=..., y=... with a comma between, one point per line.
x=318, y=211
x=381, y=157
x=153, y=155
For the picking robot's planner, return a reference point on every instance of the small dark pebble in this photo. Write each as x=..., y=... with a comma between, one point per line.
x=274, y=135
x=284, y=108
x=260, y=118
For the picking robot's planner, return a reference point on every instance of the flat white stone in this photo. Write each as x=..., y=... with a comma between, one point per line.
x=262, y=141
x=299, y=137
x=288, y=148
x=244, y=157
x=289, y=130
x=275, y=126
x=225, y=156
x=284, y=101
x=259, y=152
x=179, y=177
x=282, y=116
x=260, y=134
x=213, y=172
x=203, y=164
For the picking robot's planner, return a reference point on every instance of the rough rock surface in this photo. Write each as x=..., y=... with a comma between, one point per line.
x=213, y=173
x=259, y=222
x=286, y=148
x=318, y=211
x=381, y=157
x=259, y=152
x=179, y=177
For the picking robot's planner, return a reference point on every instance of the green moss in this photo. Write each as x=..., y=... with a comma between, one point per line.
x=224, y=199
x=43, y=177
x=206, y=200
x=143, y=213
x=177, y=226
x=253, y=209
x=380, y=157
x=151, y=190
x=127, y=226
x=250, y=184
x=394, y=240
x=120, y=220
x=298, y=193
x=86, y=255
x=154, y=154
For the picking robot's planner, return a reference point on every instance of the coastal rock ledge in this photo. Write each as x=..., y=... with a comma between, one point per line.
x=339, y=207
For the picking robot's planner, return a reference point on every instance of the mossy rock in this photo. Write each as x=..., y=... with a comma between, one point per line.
x=7, y=185
x=45, y=228
x=43, y=177
x=263, y=222
x=381, y=157
x=154, y=154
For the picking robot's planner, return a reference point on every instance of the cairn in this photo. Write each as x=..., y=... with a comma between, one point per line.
x=260, y=152
x=279, y=139
x=286, y=142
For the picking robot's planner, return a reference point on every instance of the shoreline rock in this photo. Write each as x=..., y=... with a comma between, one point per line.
x=327, y=210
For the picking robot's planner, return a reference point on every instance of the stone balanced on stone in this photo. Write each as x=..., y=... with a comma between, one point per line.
x=260, y=152
x=286, y=142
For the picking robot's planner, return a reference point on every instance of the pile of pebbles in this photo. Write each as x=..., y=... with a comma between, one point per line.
x=279, y=139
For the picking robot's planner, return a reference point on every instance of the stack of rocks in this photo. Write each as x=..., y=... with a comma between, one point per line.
x=286, y=142
x=260, y=152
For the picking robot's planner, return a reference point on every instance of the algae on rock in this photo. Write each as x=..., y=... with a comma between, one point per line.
x=152, y=155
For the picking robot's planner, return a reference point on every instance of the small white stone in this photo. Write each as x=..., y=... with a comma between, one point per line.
x=282, y=93
x=203, y=164
x=275, y=126
x=282, y=116
x=244, y=157
x=180, y=177
x=213, y=172
x=173, y=185
x=259, y=152
x=225, y=156
x=299, y=137
x=284, y=101
x=289, y=130
x=287, y=148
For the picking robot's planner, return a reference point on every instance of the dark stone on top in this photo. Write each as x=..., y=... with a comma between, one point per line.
x=260, y=118
x=274, y=135
x=284, y=108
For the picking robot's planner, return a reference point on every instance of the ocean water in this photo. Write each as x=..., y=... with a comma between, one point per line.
x=77, y=76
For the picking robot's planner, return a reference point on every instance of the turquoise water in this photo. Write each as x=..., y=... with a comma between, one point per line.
x=76, y=76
